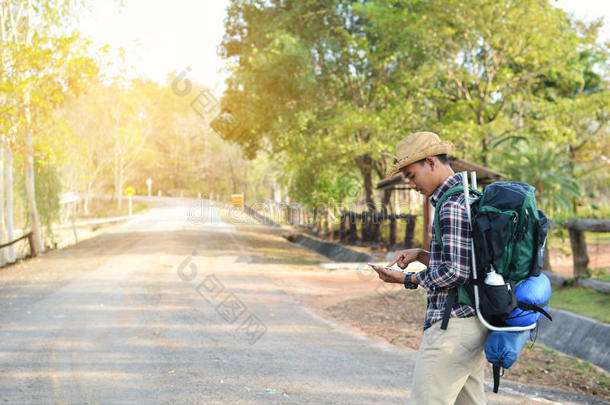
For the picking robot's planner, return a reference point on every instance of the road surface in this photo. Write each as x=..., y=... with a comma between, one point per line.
x=178, y=307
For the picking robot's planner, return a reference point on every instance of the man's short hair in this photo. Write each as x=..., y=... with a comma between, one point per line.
x=443, y=158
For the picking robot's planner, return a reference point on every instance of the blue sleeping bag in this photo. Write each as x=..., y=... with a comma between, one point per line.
x=502, y=350
x=535, y=290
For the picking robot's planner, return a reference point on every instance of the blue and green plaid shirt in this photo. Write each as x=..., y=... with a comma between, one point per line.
x=451, y=266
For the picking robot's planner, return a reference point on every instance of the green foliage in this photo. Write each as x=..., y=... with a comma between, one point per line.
x=354, y=77
x=544, y=167
x=47, y=189
x=41, y=62
x=583, y=301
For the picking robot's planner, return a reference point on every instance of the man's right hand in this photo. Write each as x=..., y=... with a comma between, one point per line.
x=404, y=257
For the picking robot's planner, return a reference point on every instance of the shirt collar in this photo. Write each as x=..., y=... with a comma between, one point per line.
x=449, y=182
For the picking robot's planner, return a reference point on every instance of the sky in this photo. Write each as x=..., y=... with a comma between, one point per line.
x=161, y=36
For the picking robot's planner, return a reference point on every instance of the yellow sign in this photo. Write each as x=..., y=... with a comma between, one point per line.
x=237, y=200
x=130, y=191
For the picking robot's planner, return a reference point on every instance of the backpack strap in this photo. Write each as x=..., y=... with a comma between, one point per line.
x=451, y=299
x=526, y=306
x=460, y=291
x=497, y=372
x=437, y=209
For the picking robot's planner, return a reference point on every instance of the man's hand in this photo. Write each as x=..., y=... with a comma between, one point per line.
x=389, y=275
x=404, y=257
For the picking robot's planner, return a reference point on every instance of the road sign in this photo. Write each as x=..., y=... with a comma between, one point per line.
x=130, y=191
x=237, y=200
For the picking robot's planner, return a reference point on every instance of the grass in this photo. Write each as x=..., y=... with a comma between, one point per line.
x=583, y=301
x=601, y=274
x=593, y=237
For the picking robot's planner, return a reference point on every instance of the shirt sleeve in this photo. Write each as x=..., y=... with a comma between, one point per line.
x=454, y=269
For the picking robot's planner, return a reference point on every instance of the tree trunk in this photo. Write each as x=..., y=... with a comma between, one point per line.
x=485, y=149
x=30, y=191
x=365, y=164
x=86, y=199
x=3, y=256
x=119, y=180
x=8, y=167
x=386, y=201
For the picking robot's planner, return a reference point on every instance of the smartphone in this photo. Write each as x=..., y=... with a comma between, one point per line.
x=385, y=267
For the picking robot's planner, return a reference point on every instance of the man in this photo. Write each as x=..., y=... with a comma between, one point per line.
x=450, y=362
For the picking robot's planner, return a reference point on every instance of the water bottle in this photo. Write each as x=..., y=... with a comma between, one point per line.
x=494, y=278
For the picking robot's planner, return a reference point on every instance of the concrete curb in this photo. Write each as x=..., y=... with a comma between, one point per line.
x=601, y=286
x=331, y=250
x=577, y=336
x=556, y=279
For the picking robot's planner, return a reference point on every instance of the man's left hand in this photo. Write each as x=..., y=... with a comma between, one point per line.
x=389, y=275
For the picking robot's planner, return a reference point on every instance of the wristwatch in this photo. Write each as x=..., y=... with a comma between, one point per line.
x=409, y=285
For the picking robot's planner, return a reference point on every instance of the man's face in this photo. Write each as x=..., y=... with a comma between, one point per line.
x=420, y=177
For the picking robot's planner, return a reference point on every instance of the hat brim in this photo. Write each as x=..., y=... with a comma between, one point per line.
x=441, y=148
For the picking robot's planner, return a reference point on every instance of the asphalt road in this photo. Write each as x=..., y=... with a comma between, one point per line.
x=174, y=307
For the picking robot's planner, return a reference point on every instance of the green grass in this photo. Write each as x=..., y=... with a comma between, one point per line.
x=601, y=274
x=593, y=237
x=584, y=301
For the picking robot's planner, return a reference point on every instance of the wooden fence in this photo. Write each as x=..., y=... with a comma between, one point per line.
x=355, y=227
x=577, y=228
x=371, y=225
x=30, y=237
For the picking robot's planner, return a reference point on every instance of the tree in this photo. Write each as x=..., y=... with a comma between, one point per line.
x=315, y=70
x=40, y=65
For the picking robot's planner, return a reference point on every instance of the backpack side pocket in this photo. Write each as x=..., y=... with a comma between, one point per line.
x=497, y=301
x=540, y=231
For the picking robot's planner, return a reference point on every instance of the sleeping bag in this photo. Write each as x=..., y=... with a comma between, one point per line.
x=502, y=350
x=532, y=294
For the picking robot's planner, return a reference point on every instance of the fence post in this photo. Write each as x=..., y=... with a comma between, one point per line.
x=378, y=222
x=410, y=231
x=353, y=230
x=33, y=250
x=580, y=256
x=364, y=227
x=392, y=231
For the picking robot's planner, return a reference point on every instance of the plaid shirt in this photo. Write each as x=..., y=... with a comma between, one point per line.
x=451, y=266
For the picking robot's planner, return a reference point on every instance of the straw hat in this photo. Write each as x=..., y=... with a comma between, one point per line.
x=415, y=147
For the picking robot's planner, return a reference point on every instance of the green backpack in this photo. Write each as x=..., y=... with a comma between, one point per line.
x=509, y=234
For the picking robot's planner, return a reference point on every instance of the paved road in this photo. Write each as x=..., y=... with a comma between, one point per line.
x=177, y=307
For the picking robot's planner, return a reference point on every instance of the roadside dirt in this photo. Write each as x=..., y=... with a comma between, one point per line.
x=537, y=365
x=599, y=256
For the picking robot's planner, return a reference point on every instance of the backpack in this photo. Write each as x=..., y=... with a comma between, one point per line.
x=512, y=293
x=509, y=235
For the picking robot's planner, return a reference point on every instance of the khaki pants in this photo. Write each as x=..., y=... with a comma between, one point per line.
x=450, y=364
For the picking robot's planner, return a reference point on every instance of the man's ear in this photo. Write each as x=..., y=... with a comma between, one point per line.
x=433, y=163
